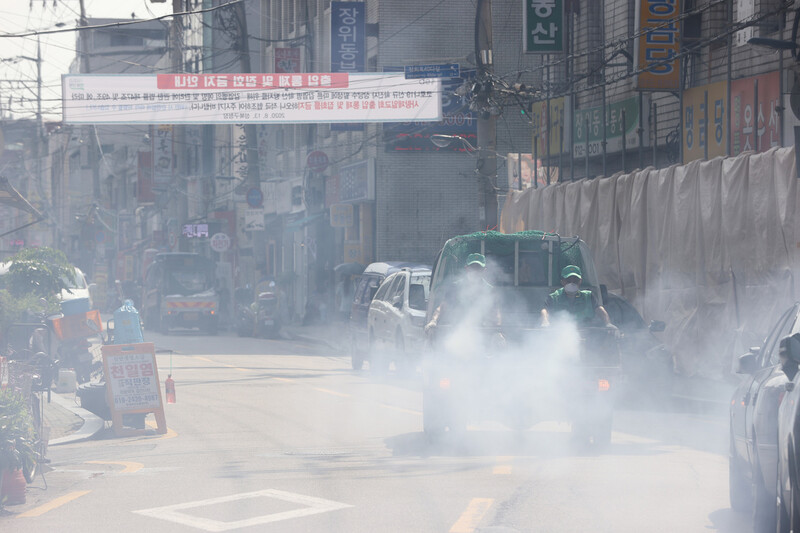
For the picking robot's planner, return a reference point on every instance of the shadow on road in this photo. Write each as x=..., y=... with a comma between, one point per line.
x=729, y=521
x=550, y=444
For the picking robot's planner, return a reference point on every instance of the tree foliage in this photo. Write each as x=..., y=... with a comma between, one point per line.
x=41, y=272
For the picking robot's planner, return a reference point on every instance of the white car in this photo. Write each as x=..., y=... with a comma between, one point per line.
x=78, y=288
x=396, y=319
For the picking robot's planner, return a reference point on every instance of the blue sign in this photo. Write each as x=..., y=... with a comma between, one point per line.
x=457, y=119
x=448, y=70
x=255, y=198
x=348, y=45
x=348, y=36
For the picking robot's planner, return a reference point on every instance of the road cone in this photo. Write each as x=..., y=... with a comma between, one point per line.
x=169, y=387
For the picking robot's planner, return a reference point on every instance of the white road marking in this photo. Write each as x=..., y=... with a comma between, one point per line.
x=314, y=506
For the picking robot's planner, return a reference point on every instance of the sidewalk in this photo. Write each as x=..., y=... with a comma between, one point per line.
x=67, y=421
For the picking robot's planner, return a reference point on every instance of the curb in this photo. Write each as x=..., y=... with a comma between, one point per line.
x=92, y=424
x=312, y=340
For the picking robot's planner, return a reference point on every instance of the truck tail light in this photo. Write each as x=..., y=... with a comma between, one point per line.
x=603, y=385
x=444, y=383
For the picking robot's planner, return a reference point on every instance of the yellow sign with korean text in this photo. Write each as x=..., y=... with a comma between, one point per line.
x=549, y=127
x=705, y=121
x=658, y=45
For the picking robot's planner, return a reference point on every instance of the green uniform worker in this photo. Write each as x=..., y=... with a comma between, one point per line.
x=469, y=301
x=582, y=305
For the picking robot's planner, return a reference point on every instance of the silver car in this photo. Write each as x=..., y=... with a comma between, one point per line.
x=396, y=319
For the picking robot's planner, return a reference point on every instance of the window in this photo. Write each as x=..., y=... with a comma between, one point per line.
x=384, y=288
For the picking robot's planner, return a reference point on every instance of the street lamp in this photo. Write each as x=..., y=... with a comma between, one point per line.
x=443, y=141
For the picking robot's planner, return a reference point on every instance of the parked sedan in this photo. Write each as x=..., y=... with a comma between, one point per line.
x=788, y=435
x=396, y=319
x=754, y=425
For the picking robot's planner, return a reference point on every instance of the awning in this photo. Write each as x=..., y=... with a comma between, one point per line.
x=11, y=197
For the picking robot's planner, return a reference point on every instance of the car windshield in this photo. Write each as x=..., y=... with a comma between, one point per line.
x=77, y=283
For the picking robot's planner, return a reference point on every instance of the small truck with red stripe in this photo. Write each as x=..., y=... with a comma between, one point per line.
x=180, y=292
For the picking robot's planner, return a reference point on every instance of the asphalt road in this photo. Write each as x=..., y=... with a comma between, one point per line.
x=282, y=436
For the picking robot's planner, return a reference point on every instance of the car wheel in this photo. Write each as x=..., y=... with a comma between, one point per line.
x=378, y=359
x=783, y=515
x=601, y=434
x=401, y=361
x=356, y=357
x=739, y=489
x=764, y=512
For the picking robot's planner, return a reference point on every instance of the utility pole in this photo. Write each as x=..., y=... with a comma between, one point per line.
x=39, y=112
x=91, y=148
x=253, y=170
x=487, y=121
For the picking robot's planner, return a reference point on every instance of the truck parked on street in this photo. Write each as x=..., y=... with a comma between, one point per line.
x=180, y=292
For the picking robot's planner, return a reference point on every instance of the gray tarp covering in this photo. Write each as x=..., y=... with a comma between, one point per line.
x=710, y=247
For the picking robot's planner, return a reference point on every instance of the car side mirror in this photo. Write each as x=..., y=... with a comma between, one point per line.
x=657, y=326
x=397, y=302
x=748, y=363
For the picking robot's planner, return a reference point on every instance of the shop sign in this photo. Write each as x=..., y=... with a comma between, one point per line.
x=587, y=127
x=543, y=24
x=342, y=216
x=746, y=124
x=547, y=126
x=658, y=45
x=220, y=242
x=705, y=121
x=162, y=156
x=348, y=36
x=357, y=182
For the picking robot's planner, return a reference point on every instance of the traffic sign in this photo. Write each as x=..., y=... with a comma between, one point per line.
x=220, y=242
x=255, y=198
x=446, y=70
x=317, y=161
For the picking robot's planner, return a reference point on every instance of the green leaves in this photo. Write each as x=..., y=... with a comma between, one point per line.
x=42, y=272
x=16, y=432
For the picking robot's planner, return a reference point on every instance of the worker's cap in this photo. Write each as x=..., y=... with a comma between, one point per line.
x=571, y=271
x=476, y=259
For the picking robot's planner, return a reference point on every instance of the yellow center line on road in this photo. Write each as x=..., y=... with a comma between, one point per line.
x=469, y=520
x=58, y=502
x=206, y=359
x=130, y=466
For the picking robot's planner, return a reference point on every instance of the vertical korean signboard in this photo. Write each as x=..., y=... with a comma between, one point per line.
x=705, y=121
x=549, y=124
x=162, y=156
x=658, y=45
x=543, y=24
x=348, y=44
x=748, y=124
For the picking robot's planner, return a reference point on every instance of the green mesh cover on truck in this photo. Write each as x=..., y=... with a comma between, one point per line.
x=455, y=251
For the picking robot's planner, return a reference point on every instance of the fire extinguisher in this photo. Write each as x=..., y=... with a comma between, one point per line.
x=169, y=387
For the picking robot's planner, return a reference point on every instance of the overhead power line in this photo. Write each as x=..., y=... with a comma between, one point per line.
x=118, y=24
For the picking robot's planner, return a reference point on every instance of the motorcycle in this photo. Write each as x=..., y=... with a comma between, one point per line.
x=268, y=322
x=245, y=317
